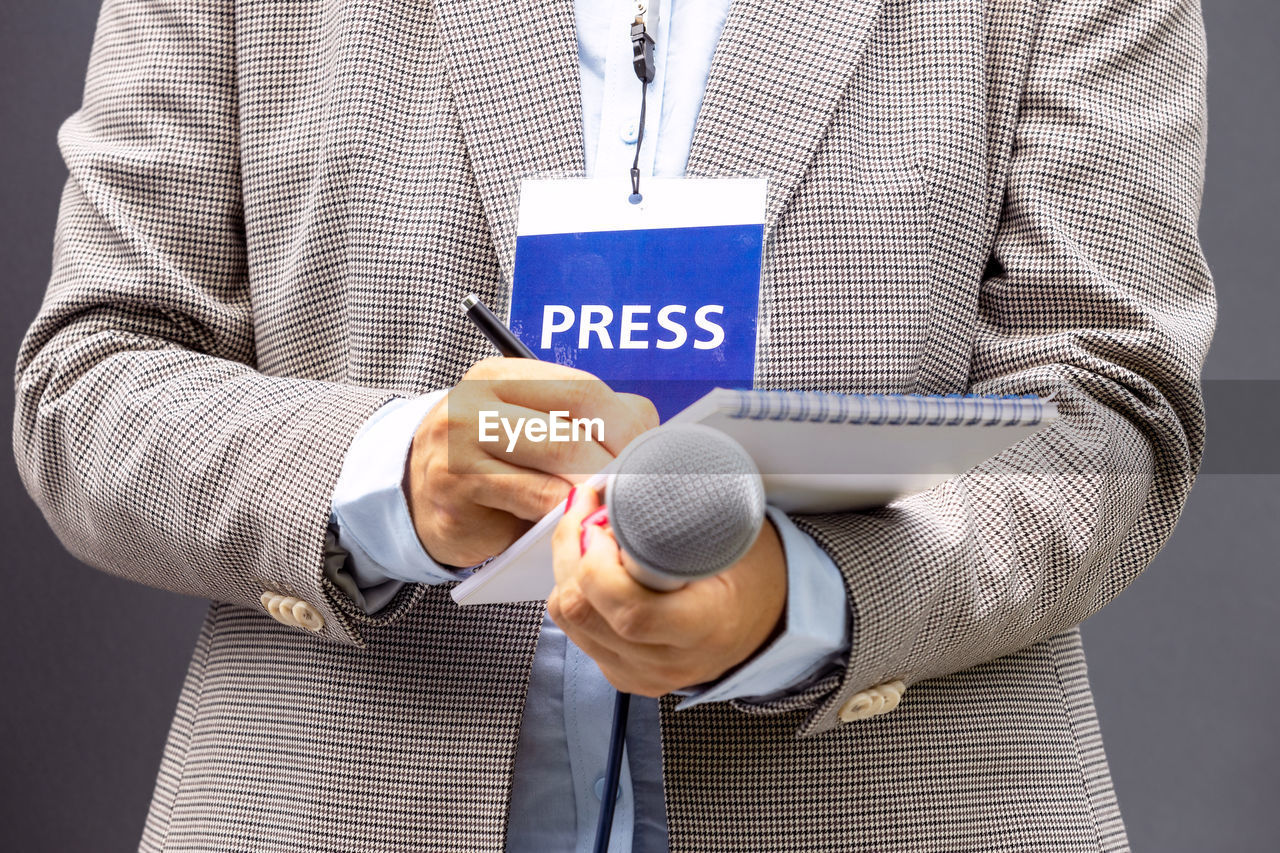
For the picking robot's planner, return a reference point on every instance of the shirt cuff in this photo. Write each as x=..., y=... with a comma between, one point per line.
x=817, y=628
x=370, y=515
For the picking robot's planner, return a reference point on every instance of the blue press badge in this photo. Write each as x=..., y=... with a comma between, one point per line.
x=659, y=298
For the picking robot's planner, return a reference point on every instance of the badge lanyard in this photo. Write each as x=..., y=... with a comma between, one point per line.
x=642, y=61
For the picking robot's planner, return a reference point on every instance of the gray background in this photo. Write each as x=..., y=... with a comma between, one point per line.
x=1184, y=663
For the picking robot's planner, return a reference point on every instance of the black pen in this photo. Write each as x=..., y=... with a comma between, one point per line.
x=498, y=334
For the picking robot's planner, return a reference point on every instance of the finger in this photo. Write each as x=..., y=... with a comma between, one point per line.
x=466, y=538
x=522, y=492
x=582, y=396
x=546, y=387
x=624, y=674
x=633, y=612
x=581, y=624
x=618, y=668
x=644, y=408
x=532, y=439
x=573, y=612
x=566, y=553
x=600, y=653
x=602, y=552
x=682, y=618
x=584, y=501
x=576, y=608
x=499, y=372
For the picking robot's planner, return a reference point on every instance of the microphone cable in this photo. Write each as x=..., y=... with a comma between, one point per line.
x=613, y=771
x=685, y=502
x=642, y=62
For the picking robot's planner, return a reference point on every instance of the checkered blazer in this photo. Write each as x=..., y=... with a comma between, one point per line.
x=273, y=211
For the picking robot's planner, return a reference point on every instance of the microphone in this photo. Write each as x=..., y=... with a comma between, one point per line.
x=685, y=502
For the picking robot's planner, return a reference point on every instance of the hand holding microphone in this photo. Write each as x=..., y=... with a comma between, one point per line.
x=680, y=524
x=685, y=514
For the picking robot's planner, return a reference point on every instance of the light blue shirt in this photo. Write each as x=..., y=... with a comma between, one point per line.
x=564, y=736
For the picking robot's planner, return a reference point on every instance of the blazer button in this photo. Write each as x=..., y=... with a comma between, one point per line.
x=306, y=616
x=292, y=612
x=880, y=699
x=271, y=601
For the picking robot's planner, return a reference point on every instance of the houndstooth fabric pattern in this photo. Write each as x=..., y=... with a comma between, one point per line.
x=272, y=212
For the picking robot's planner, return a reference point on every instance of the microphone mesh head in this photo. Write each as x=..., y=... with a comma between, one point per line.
x=686, y=501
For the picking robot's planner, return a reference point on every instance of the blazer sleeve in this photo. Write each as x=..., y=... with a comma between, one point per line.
x=1096, y=293
x=144, y=432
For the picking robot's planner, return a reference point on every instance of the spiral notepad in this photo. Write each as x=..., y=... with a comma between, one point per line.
x=873, y=409
x=816, y=453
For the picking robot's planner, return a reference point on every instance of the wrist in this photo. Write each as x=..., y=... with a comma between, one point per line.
x=764, y=584
x=810, y=639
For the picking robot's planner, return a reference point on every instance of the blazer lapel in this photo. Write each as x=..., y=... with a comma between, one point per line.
x=779, y=71
x=514, y=71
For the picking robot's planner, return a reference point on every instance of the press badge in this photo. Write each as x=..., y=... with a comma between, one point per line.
x=659, y=297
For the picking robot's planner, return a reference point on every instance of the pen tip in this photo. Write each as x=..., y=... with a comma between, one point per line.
x=470, y=302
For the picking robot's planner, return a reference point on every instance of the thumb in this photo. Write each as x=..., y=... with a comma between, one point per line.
x=583, y=501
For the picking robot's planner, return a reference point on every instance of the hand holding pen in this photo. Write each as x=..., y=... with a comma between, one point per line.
x=469, y=499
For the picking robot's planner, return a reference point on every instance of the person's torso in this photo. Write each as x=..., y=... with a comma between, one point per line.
x=382, y=143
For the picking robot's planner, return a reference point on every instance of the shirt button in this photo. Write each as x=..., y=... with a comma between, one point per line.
x=600, y=790
x=629, y=132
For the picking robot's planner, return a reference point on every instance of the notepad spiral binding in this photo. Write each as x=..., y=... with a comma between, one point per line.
x=892, y=409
